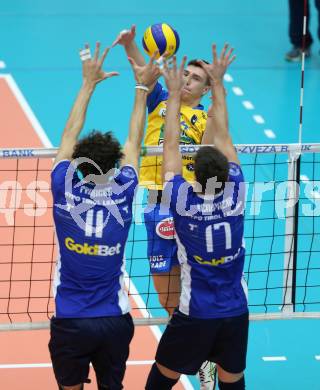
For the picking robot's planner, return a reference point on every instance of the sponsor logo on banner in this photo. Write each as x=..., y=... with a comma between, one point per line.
x=165, y=229
x=13, y=153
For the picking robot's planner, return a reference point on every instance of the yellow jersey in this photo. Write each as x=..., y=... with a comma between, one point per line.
x=192, y=121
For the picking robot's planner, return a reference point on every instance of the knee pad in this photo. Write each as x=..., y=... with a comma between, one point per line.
x=157, y=381
x=239, y=385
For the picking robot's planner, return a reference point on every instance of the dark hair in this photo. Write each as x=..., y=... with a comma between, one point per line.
x=102, y=148
x=197, y=63
x=210, y=162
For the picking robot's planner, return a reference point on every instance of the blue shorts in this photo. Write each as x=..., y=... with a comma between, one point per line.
x=187, y=342
x=103, y=341
x=162, y=246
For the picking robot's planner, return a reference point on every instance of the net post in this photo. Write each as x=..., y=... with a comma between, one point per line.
x=291, y=234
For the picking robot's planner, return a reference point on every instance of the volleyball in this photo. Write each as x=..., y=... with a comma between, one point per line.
x=160, y=37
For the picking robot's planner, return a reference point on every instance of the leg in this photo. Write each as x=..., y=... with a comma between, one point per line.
x=109, y=360
x=69, y=348
x=168, y=287
x=230, y=352
x=296, y=12
x=162, y=255
x=161, y=378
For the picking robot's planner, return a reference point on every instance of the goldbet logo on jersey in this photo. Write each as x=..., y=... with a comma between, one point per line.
x=165, y=229
x=92, y=250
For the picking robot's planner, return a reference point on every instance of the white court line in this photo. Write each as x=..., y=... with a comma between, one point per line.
x=259, y=119
x=274, y=358
x=49, y=365
x=47, y=143
x=248, y=105
x=269, y=133
x=317, y=357
x=237, y=91
x=228, y=78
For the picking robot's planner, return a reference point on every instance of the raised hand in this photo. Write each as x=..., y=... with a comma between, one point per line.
x=173, y=75
x=146, y=74
x=92, y=71
x=217, y=69
x=125, y=37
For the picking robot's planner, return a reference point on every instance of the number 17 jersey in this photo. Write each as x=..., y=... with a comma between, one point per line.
x=209, y=233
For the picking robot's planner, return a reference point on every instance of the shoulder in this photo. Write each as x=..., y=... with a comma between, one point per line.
x=235, y=171
x=61, y=165
x=177, y=185
x=157, y=95
x=127, y=173
x=60, y=169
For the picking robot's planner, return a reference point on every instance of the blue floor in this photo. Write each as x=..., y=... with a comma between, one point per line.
x=39, y=45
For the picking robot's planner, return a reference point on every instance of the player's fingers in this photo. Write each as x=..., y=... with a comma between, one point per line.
x=165, y=65
x=214, y=53
x=110, y=74
x=183, y=62
x=153, y=57
x=174, y=63
x=228, y=56
x=85, y=54
x=132, y=63
x=96, y=52
x=104, y=55
x=133, y=29
x=165, y=68
x=204, y=66
x=166, y=55
x=115, y=42
x=232, y=59
x=223, y=51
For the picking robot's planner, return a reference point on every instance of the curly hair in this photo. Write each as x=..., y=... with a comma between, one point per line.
x=209, y=162
x=102, y=148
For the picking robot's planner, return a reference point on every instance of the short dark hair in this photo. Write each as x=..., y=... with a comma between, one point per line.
x=210, y=162
x=103, y=148
x=197, y=63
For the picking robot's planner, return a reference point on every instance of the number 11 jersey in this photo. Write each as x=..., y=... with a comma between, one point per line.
x=92, y=221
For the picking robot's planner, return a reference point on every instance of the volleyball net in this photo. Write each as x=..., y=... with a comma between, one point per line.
x=282, y=234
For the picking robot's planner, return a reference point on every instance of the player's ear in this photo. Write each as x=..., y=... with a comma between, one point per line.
x=206, y=90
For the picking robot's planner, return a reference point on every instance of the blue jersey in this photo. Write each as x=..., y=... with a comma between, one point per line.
x=92, y=223
x=209, y=234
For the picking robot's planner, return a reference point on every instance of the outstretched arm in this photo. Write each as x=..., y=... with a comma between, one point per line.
x=92, y=74
x=172, y=160
x=217, y=130
x=126, y=39
x=146, y=76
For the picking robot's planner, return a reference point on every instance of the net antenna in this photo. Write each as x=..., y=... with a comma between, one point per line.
x=292, y=215
x=303, y=46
